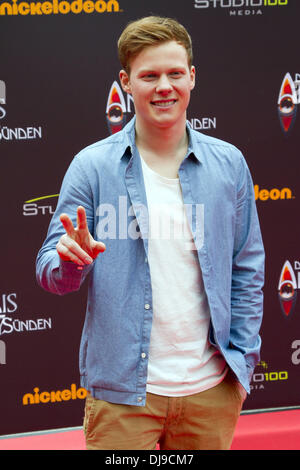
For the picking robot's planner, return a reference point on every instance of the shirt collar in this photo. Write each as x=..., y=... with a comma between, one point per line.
x=193, y=147
x=128, y=141
x=129, y=145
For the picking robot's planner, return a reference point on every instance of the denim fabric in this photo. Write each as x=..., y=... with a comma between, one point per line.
x=106, y=178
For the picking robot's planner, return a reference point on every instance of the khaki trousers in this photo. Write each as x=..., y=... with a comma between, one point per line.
x=204, y=421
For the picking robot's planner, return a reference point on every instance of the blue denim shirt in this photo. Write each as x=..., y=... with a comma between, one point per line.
x=106, y=178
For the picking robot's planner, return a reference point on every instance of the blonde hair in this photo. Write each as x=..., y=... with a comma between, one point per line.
x=150, y=31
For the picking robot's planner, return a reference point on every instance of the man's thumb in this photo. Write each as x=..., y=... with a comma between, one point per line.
x=98, y=247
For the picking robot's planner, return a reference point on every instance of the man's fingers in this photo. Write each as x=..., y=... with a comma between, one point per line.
x=69, y=250
x=78, y=245
x=81, y=218
x=98, y=247
x=68, y=224
x=66, y=255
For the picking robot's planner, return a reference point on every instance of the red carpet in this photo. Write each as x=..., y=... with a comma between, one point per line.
x=278, y=430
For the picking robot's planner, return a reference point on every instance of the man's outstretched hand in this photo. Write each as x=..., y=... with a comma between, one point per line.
x=77, y=244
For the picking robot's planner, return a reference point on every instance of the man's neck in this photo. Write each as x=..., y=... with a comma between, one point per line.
x=163, y=141
x=163, y=149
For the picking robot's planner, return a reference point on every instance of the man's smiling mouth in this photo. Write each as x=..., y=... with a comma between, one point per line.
x=164, y=103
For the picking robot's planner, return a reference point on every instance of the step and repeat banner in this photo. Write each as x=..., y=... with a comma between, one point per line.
x=59, y=92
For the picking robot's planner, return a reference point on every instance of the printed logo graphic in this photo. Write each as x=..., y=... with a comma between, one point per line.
x=2, y=352
x=240, y=7
x=263, y=376
x=275, y=194
x=204, y=123
x=115, y=109
x=2, y=98
x=295, y=357
x=9, y=324
x=55, y=7
x=15, y=133
x=288, y=99
x=54, y=396
x=37, y=206
x=287, y=288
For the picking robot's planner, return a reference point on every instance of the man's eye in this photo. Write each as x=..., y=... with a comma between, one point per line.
x=149, y=76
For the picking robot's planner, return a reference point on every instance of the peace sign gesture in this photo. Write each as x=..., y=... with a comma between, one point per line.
x=77, y=244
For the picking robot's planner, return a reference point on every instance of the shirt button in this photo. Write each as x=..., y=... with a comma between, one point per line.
x=139, y=399
x=147, y=306
x=143, y=355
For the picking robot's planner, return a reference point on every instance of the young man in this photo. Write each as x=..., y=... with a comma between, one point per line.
x=171, y=335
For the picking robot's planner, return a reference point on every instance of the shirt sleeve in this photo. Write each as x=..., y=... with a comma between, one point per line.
x=53, y=274
x=247, y=273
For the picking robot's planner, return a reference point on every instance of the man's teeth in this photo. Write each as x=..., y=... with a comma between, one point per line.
x=164, y=103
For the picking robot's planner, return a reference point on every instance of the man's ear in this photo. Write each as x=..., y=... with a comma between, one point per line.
x=125, y=81
x=193, y=77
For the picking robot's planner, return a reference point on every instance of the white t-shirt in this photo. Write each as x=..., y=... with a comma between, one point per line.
x=181, y=360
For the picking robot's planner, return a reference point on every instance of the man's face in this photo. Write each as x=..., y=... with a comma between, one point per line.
x=160, y=82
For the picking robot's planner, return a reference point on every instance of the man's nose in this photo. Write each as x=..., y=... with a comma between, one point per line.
x=163, y=84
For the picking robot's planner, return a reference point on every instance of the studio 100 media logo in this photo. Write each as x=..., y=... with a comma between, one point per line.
x=289, y=283
x=239, y=8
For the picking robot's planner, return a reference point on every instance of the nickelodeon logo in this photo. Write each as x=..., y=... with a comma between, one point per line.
x=274, y=194
x=55, y=7
x=38, y=397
